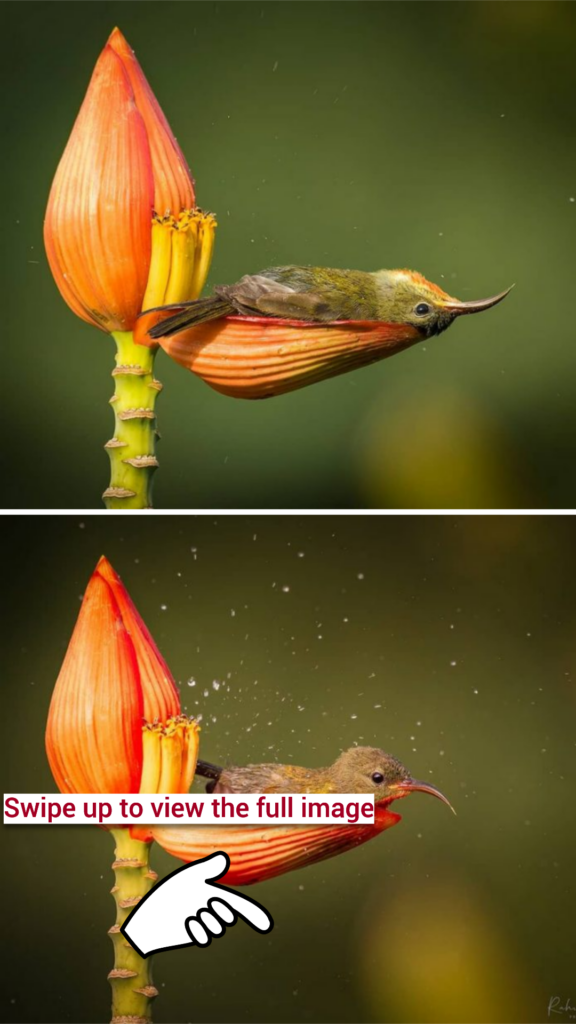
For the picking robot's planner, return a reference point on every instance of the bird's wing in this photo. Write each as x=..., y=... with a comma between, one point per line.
x=264, y=294
x=266, y=778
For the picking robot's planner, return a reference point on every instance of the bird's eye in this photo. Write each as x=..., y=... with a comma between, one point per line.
x=377, y=777
x=422, y=309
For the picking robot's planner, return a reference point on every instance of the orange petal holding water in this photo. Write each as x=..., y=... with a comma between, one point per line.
x=259, y=357
x=262, y=852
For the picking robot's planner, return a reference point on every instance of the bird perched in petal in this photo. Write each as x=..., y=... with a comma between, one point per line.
x=324, y=295
x=257, y=854
x=291, y=326
x=357, y=770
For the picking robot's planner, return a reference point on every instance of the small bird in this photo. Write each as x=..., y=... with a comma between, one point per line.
x=357, y=770
x=323, y=295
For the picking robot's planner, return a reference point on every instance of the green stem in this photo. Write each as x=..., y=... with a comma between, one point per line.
x=131, y=976
x=131, y=450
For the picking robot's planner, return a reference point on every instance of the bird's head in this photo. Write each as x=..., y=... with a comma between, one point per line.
x=370, y=770
x=406, y=297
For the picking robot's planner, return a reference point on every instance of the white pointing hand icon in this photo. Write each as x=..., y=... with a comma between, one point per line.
x=189, y=908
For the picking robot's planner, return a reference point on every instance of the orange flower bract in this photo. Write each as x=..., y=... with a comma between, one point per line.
x=114, y=724
x=121, y=173
x=262, y=852
x=260, y=357
x=173, y=182
x=97, y=227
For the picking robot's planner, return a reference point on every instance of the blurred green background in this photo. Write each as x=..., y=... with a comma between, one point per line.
x=448, y=641
x=437, y=136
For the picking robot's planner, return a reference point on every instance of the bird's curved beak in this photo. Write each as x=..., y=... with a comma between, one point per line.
x=461, y=308
x=415, y=786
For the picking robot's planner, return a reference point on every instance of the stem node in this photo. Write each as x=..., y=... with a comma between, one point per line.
x=131, y=448
x=131, y=977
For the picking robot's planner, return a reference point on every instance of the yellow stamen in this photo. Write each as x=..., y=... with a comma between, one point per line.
x=152, y=757
x=190, y=754
x=182, y=265
x=205, y=247
x=181, y=254
x=160, y=261
x=171, y=759
x=170, y=750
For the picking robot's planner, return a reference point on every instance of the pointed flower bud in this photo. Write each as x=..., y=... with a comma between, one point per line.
x=113, y=693
x=257, y=854
x=121, y=223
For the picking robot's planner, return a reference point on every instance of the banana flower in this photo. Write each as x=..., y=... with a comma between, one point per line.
x=123, y=232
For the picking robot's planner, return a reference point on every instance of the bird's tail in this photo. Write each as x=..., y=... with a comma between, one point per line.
x=190, y=314
x=208, y=771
